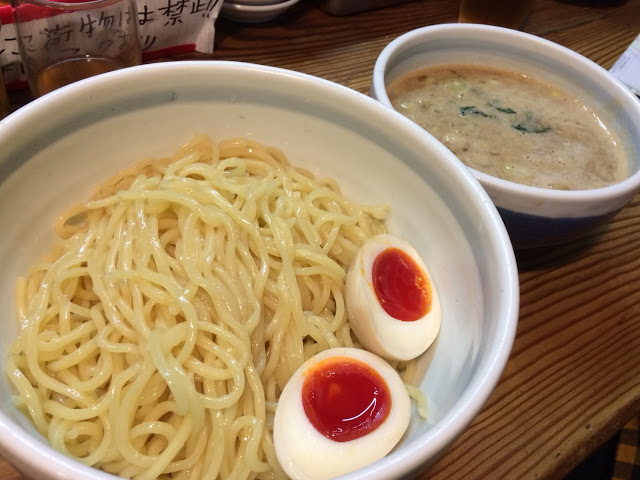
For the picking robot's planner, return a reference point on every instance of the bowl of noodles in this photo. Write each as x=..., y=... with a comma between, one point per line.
x=176, y=242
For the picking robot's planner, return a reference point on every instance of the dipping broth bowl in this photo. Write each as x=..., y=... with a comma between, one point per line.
x=57, y=148
x=534, y=216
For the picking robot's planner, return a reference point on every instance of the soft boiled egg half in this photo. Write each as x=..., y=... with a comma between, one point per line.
x=392, y=303
x=342, y=410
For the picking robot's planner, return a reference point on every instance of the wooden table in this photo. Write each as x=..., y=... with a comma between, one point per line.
x=573, y=378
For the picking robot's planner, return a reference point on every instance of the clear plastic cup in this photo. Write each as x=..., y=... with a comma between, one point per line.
x=62, y=42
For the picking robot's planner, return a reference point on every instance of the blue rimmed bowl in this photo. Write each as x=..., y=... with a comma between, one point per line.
x=56, y=148
x=534, y=216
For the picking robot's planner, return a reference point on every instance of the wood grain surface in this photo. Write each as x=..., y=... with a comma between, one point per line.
x=573, y=377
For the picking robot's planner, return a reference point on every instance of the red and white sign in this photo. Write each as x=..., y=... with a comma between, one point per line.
x=166, y=27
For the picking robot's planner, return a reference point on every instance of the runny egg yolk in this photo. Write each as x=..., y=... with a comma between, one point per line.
x=345, y=399
x=341, y=410
x=401, y=286
x=391, y=299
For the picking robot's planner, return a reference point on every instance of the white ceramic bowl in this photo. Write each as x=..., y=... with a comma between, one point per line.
x=57, y=147
x=246, y=12
x=533, y=216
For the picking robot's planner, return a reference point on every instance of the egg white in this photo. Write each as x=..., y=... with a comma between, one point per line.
x=306, y=454
x=376, y=330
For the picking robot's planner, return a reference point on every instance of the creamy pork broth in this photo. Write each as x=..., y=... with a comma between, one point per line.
x=512, y=126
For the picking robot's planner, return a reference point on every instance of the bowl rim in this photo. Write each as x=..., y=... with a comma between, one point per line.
x=18, y=444
x=627, y=187
x=257, y=7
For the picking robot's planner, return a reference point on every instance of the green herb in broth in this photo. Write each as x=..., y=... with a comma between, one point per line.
x=530, y=124
x=472, y=110
x=507, y=110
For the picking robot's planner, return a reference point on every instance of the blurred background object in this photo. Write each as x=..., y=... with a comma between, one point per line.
x=349, y=7
x=501, y=13
x=254, y=11
x=4, y=100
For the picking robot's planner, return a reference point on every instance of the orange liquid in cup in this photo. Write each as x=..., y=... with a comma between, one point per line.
x=71, y=70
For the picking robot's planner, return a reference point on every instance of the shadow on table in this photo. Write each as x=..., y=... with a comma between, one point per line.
x=599, y=466
x=554, y=256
